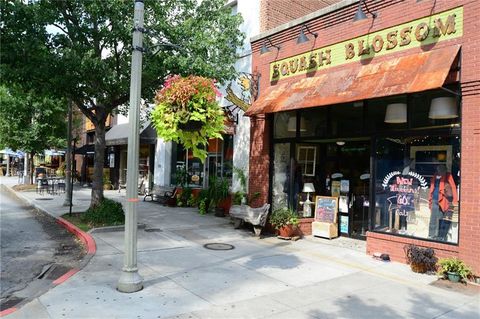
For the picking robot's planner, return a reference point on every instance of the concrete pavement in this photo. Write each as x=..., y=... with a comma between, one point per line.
x=259, y=278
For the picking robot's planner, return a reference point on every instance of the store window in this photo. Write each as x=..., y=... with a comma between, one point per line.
x=281, y=175
x=219, y=163
x=306, y=156
x=417, y=183
x=285, y=124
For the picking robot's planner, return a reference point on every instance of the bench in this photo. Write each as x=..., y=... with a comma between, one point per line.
x=161, y=194
x=255, y=216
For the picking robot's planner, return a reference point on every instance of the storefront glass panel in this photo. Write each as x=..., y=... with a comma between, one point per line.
x=281, y=175
x=417, y=182
x=285, y=124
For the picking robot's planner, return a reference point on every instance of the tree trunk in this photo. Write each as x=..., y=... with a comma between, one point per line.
x=97, y=185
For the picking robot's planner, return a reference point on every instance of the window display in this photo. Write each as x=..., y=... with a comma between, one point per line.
x=417, y=187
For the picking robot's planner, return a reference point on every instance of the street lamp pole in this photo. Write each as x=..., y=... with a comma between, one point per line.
x=130, y=280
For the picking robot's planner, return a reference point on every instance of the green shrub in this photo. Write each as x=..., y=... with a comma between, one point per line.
x=109, y=212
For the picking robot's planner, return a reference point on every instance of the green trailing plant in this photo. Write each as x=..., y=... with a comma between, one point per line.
x=202, y=207
x=454, y=265
x=283, y=217
x=421, y=259
x=181, y=177
x=203, y=201
x=185, y=102
x=108, y=212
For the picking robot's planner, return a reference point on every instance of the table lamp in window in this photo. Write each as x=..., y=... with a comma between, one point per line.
x=307, y=208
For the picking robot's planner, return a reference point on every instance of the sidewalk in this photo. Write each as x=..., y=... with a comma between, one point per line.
x=259, y=278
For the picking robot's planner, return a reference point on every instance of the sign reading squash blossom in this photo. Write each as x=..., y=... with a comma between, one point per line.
x=187, y=112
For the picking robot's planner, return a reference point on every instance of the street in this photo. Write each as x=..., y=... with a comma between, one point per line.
x=32, y=245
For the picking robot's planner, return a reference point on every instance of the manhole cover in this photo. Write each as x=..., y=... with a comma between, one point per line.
x=43, y=198
x=153, y=230
x=218, y=246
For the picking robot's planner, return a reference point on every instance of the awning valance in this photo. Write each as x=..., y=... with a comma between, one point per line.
x=400, y=75
x=118, y=134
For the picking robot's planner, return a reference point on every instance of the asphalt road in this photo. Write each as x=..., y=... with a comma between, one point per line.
x=32, y=245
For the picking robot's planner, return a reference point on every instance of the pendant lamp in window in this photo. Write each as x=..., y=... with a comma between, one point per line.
x=396, y=113
x=443, y=108
x=292, y=124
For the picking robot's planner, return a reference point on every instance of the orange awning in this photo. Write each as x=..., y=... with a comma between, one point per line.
x=401, y=75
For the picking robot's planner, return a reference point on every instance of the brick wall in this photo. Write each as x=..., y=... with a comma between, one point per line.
x=276, y=12
x=338, y=26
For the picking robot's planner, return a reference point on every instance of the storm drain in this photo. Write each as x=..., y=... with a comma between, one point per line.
x=10, y=302
x=53, y=272
x=218, y=246
x=153, y=230
x=44, y=198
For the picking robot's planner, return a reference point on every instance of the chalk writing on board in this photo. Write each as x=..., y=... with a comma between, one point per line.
x=326, y=209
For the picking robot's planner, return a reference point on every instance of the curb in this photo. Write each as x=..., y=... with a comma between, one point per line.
x=86, y=239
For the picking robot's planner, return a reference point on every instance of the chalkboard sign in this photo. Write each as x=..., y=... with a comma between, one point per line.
x=326, y=209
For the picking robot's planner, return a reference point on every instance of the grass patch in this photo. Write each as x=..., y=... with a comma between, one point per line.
x=76, y=219
x=24, y=187
x=108, y=213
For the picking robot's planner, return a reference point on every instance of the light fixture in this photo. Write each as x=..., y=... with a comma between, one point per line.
x=340, y=143
x=443, y=108
x=360, y=15
x=292, y=124
x=266, y=44
x=302, y=38
x=307, y=208
x=396, y=113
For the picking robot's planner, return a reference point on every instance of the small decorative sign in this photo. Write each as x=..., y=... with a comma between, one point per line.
x=344, y=224
x=403, y=189
x=326, y=209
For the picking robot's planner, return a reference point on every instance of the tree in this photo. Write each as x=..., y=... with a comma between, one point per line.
x=85, y=55
x=31, y=123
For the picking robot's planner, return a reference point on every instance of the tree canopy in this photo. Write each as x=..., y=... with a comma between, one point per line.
x=81, y=50
x=30, y=123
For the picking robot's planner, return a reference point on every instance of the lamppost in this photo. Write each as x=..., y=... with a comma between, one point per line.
x=130, y=280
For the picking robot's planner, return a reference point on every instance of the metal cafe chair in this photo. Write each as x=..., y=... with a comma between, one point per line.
x=42, y=185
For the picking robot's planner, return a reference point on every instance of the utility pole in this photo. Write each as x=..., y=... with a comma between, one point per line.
x=68, y=159
x=130, y=280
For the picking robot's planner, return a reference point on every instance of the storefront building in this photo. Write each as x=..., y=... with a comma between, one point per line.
x=382, y=114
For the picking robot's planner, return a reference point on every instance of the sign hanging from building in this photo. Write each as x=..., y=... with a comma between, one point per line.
x=425, y=31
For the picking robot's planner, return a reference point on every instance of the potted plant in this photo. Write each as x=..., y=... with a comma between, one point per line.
x=285, y=220
x=454, y=269
x=217, y=191
x=187, y=112
x=420, y=259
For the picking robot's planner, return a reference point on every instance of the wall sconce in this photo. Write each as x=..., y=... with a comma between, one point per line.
x=443, y=108
x=292, y=124
x=360, y=15
x=396, y=113
x=265, y=49
x=302, y=38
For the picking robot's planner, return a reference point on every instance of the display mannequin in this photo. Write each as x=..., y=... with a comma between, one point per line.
x=442, y=196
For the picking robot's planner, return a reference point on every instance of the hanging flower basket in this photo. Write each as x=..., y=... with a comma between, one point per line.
x=187, y=112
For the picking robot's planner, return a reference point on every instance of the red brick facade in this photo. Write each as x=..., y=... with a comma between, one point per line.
x=277, y=12
x=338, y=26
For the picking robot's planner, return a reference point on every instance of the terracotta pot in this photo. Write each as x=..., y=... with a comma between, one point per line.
x=286, y=231
x=420, y=268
